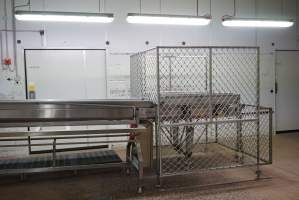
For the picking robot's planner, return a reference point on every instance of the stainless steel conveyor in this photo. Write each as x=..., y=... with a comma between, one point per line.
x=134, y=116
x=70, y=112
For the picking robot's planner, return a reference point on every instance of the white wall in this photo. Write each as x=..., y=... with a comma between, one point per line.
x=127, y=38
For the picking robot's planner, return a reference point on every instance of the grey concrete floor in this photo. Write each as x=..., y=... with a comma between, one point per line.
x=92, y=185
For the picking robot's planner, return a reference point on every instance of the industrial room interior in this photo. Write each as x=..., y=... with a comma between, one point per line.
x=149, y=99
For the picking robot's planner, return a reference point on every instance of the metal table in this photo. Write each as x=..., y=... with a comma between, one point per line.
x=136, y=114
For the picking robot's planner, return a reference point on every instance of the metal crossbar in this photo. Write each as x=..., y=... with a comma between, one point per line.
x=208, y=115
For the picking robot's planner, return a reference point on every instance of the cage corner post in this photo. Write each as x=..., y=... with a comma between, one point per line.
x=158, y=130
x=258, y=170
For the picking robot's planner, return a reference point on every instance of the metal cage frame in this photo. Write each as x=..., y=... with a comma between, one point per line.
x=211, y=90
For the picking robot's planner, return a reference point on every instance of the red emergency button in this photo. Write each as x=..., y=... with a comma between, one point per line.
x=7, y=61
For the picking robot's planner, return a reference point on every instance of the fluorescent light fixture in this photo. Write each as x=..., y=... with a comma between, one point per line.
x=168, y=19
x=266, y=23
x=64, y=16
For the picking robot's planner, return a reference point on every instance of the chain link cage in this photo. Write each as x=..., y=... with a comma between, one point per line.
x=208, y=112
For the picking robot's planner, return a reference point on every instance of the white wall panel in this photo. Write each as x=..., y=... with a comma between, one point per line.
x=179, y=7
x=67, y=74
x=72, y=5
x=267, y=72
x=150, y=6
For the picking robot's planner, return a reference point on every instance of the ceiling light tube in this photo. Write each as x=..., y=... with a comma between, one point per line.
x=168, y=19
x=50, y=16
x=256, y=22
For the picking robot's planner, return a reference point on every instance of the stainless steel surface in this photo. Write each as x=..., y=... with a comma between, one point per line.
x=192, y=101
x=53, y=112
x=44, y=113
x=65, y=123
x=7, y=139
x=95, y=131
x=63, y=143
x=120, y=102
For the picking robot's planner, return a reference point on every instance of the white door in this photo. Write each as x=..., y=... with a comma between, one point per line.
x=287, y=97
x=67, y=74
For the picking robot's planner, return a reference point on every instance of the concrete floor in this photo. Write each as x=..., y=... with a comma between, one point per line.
x=284, y=183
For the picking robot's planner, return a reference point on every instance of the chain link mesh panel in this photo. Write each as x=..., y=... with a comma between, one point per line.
x=208, y=106
x=266, y=135
x=144, y=75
